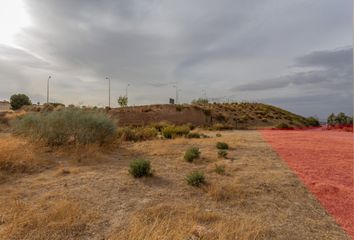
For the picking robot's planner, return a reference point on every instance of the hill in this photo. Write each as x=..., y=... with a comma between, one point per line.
x=218, y=115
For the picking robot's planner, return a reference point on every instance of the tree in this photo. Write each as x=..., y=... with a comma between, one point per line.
x=123, y=101
x=19, y=100
x=331, y=120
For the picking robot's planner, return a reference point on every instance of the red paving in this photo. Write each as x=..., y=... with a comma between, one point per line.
x=323, y=160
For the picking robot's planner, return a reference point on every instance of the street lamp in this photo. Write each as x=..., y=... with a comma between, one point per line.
x=126, y=90
x=109, y=92
x=48, y=89
x=177, y=90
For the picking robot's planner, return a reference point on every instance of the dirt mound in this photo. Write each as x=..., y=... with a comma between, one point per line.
x=227, y=115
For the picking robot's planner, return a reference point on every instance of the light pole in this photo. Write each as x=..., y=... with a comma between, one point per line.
x=126, y=90
x=48, y=89
x=109, y=92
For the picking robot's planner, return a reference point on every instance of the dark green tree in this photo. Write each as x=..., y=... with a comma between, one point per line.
x=19, y=100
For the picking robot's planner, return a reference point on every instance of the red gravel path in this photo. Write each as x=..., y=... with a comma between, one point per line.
x=323, y=160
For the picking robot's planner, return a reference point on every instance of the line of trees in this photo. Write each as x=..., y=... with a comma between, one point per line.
x=341, y=119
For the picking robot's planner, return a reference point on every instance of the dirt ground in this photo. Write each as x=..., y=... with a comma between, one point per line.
x=94, y=197
x=324, y=162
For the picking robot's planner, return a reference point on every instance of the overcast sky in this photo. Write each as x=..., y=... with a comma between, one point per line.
x=296, y=54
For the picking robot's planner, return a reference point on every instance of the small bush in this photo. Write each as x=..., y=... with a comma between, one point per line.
x=137, y=134
x=67, y=126
x=222, y=145
x=220, y=169
x=283, y=126
x=178, y=108
x=313, y=122
x=222, y=153
x=195, y=179
x=174, y=131
x=19, y=100
x=191, y=154
x=218, y=135
x=140, y=168
x=193, y=135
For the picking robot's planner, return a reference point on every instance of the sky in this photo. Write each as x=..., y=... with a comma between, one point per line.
x=295, y=54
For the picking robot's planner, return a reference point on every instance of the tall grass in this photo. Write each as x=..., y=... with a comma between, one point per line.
x=69, y=125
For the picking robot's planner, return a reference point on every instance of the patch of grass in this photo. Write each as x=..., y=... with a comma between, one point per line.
x=67, y=126
x=140, y=168
x=191, y=154
x=173, y=131
x=220, y=169
x=222, y=153
x=222, y=145
x=193, y=135
x=195, y=179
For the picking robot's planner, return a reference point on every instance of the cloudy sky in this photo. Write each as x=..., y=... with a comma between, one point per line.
x=296, y=54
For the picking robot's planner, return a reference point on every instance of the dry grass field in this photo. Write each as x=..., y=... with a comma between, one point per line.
x=89, y=194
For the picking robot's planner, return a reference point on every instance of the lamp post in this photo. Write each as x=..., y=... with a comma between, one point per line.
x=109, y=92
x=126, y=90
x=48, y=89
x=176, y=87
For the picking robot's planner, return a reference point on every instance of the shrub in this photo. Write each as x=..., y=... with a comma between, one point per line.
x=222, y=153
x=172, y=131
x=160, y=125
x=122, y=101
x=140, y=168
x=19, y=100
x=283, y=126
x=220, y=169
x=195, y=179
x=191, y=154
x=222, y=145
x=70, y=125
x=178, y=108
x=137, y=134
x=200, y=101
x=193, y=135
x=313, y=122
x=218, y=135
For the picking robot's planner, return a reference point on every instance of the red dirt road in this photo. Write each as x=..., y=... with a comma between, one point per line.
x=323, y=160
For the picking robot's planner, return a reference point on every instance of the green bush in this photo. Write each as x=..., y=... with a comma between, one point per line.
x=137, y=134
x=220, y=169
x=191, y=154
x=313, y=122
x=195, y=179
x=173, y=131
x=222, y=145
x=283, y=126
x=69, y=125
x=193, y=135
x=222, y=153
x=140, y=168
x=19, y=100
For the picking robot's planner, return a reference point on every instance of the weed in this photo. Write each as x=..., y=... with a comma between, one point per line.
x=218, y=135
x=222, y=145
x=140, y=168
x=193, y=135
x=172, y=131
x=191, y=154
x=195, y=179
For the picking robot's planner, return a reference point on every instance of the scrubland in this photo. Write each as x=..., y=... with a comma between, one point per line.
x=78, y=191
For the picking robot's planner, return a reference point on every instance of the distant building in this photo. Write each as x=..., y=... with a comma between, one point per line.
x=5, y=106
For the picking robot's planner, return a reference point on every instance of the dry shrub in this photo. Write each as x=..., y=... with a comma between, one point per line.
x=17, y=156
x=168, y=221
x=47, y=220
x=137, y=134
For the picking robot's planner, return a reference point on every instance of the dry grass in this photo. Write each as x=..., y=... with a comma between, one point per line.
x=183, y=221
x=62, y=219
x=258, y=197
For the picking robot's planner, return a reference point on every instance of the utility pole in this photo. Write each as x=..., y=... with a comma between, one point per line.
x=48, y=89
x=109, y=92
